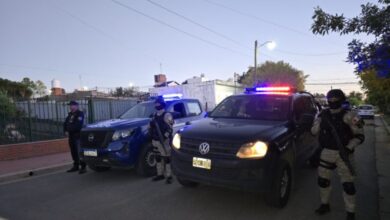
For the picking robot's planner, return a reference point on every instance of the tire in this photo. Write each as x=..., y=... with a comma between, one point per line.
x=280, y=188
x=187, y=183
x=146, y=164
x=98, y=168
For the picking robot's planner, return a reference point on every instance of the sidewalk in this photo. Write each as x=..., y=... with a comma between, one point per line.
x=382, y=133
x=16, y=169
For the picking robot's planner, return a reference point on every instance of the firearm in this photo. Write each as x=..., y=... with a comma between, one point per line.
x=343, y=152
x=160, y=137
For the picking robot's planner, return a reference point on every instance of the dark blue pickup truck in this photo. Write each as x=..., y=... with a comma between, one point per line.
x=125, y=142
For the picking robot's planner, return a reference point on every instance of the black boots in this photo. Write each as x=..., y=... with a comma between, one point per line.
x=169, y=180
x=350, y=216
x=158, y=178
x=83, y=170
x=73, y=169
x=323, y=209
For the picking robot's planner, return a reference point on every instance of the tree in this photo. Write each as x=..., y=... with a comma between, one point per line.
x=14, y=89
x=275, y=73
x=373, y=20
x=319, y=95
x=7, y=107
x=125, y=92
x=355, y=98
x=40, y=88
x=37, y=88
x=377, y=90
x=29, y=83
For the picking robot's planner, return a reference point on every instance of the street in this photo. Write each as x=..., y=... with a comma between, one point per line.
x=121, y=194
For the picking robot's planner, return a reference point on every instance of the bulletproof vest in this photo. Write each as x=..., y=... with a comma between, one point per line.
x=164, y=127
x=343, y=130
x=72, y=122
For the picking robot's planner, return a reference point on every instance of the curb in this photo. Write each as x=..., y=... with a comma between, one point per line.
x=27, y=174
x=387, y=127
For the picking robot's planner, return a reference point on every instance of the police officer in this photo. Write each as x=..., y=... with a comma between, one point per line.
x=349, y=128
x=161, y=132
x=72, y=127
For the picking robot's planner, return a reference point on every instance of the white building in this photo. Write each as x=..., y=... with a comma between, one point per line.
x=208, y=92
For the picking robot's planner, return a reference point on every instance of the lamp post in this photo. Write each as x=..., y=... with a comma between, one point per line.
x=270, y=45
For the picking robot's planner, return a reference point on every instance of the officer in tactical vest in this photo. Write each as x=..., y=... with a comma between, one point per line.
x=72, y=127
x=340, y=131
x=161, y=132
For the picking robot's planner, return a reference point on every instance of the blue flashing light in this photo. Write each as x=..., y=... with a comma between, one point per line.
x=172, y=97
x=270, y=90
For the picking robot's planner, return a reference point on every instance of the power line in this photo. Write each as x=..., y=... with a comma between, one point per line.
x=329, y=79
x=260, y=19
x=194, y=22
x=334, y=83
x=100, y=31
x=256, y=17
x=177, y=29
x=230, y=39
x=309, y=54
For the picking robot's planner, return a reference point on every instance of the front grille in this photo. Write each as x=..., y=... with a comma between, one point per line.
x=100, y=139
x=218, y=149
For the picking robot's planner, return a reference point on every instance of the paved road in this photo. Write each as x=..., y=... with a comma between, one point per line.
x=120, y=194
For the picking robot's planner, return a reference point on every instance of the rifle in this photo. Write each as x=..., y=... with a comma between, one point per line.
x=342, y=150
x=160, y=136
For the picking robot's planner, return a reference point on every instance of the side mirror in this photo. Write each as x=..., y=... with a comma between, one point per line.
x=207, y=114
x=306, y=121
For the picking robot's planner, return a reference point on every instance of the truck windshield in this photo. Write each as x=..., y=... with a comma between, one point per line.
x=255, y=107
x=141, y=110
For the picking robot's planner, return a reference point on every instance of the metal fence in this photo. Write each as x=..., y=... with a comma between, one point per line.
x=43, y=120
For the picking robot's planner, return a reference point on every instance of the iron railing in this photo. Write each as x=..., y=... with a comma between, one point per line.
x=43, y=120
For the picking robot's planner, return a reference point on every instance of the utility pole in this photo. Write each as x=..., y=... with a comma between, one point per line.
x=255, y=66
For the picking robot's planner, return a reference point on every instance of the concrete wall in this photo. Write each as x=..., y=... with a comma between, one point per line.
x=209, y=93
x=203, y=91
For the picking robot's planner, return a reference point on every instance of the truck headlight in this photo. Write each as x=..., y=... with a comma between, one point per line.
x=122, y=134
x=256, y=149
x=176, y=141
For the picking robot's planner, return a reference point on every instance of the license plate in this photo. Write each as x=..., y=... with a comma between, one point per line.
x=201, y=163
x=90, y=153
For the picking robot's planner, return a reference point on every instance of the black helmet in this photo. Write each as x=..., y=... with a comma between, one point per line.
x=161, y=102
x=335, y=98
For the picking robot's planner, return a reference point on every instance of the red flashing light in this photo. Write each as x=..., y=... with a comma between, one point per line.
x=273, y=89
x=274, y=93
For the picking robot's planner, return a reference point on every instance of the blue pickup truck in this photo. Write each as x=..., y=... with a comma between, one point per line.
x=125, y=142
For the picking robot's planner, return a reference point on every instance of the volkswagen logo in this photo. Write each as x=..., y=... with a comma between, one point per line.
x=204, y=148
x=91, y=137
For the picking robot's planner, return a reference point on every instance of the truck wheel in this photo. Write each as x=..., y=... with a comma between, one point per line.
x=98, y=168
x=279, y=192
x=146, y=165
x=187, y=183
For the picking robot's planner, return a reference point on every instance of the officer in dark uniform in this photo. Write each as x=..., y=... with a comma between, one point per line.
x=349, y=129
x=72, y=127
x=161, y=131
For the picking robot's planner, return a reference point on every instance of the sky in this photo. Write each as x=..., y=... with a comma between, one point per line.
x=111, y=43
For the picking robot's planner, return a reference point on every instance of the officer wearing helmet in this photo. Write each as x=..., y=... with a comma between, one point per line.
x=161, y=128
x=72, y=127
x=340, y=131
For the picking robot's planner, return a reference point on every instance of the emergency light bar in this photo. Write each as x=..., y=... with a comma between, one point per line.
x=270, y=90
x=173, y=96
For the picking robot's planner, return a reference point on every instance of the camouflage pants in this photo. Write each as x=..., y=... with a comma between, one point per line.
x=329, y=161
x=163, y=158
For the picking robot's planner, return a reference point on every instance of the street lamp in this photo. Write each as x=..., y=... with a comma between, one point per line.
x=270, y=45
